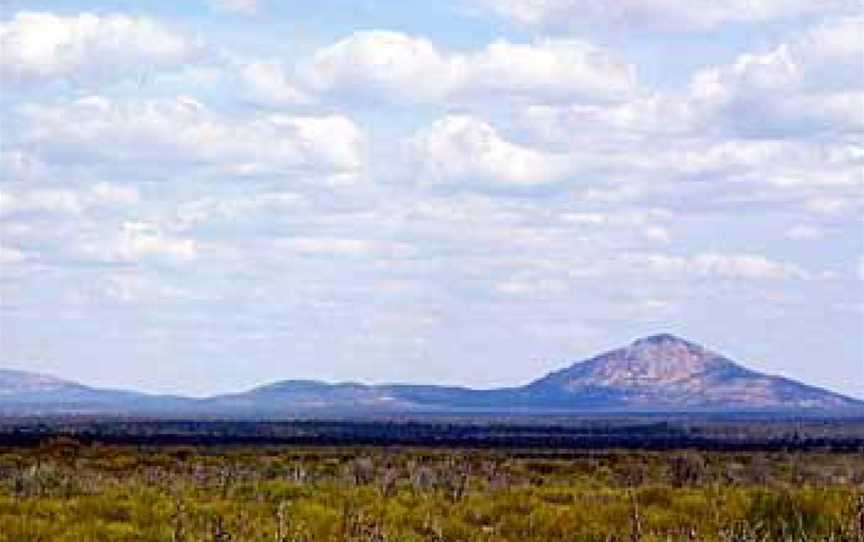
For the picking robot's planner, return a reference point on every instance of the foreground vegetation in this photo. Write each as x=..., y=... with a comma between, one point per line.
x=65, y=491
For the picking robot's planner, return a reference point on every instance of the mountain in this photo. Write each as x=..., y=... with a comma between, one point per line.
x=664, y=371
x=657, y=373
x=660, y=373
x=23, y=392
x=14, y=384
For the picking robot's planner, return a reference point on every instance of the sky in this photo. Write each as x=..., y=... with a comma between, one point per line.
x=203, y=196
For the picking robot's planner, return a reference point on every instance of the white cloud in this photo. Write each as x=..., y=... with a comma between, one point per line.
x=45, y=200
x=831, y=205
x=669, y=15
x=268, y=83
x=113, y=193
x=184, y=131
x=656, y=114
x=248, y=7
x=329, y=246
x=565, y=273
x=41, y=47
x=135, y=287
x=143, y=239
x=783, y=164
x=532, y=287
x=805, y=232
x=210, y=209
x=831, y=53
x=65, y=201
x=126, y=242
x=394, y=66
x=628, y=154
x=462, y=149
x=810, y=85
x=550, y=69
x=18, y=165
x=718, y=265
x=380, y=63
x=334, y=246
x=11, y=255
x=657, y=233
x=813, y=85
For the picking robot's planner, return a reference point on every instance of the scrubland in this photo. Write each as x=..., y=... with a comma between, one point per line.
x=66, y=491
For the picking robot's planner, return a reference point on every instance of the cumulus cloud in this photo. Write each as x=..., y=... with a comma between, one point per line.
x=663, y=14
x=462, y=149
x=466, y=151
x=811, y=85
x=43, y=47
x=384, y=65
x=783, y=164
x=391, y=64
x=531, y=179
x=184, y=131
x=780, y=126
x=269, y=83
x=650, y=115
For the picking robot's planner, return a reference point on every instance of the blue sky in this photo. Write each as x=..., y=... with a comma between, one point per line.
x=203, y=196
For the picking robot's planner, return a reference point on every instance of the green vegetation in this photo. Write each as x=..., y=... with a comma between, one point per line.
x=64, y=491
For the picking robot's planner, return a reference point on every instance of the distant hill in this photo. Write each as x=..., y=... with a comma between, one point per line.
x=658, y=373
x=25, y=393
x=666, y=371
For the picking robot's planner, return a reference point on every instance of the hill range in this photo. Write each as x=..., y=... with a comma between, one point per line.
x=659, y=373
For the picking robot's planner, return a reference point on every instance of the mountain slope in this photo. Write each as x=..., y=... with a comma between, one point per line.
x=666, y=371
x=23, y=392
x=659, y=373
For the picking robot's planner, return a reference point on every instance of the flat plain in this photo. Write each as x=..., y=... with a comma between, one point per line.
x=71, y=483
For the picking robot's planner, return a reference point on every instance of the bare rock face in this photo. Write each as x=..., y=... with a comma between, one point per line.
x=656, y=361
x=665, y=371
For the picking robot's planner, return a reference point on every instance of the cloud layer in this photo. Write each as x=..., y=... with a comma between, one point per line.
x=40, y=47
x=403, y=68
x=217, y=185
x=698, y=15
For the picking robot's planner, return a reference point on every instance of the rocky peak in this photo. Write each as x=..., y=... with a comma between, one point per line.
x=651, y=361
x=666, y=350
x=662, y=338
x=660, y=358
